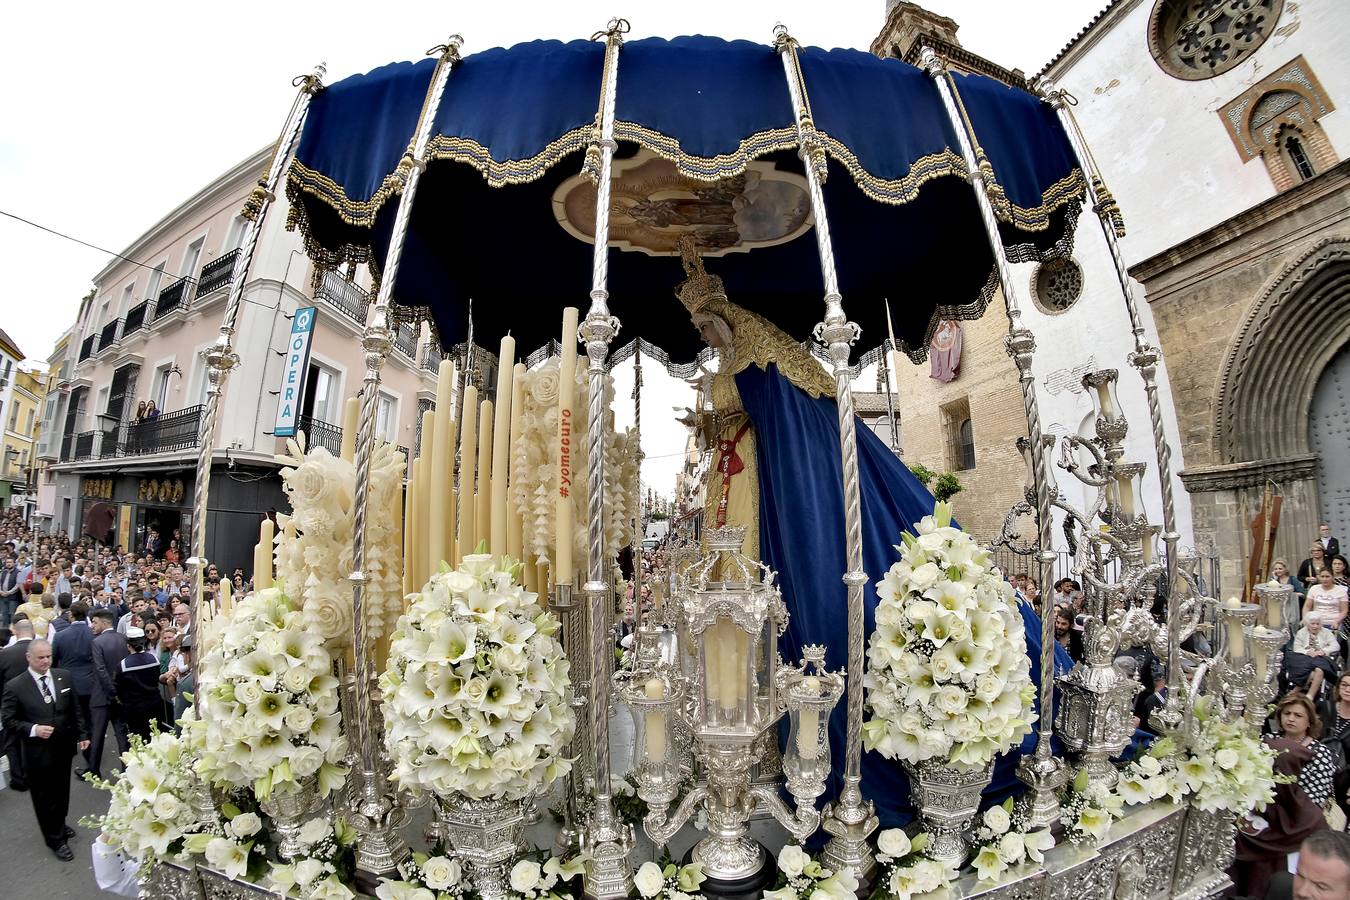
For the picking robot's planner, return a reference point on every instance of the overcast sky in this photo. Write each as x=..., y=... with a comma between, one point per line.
x=114, y=113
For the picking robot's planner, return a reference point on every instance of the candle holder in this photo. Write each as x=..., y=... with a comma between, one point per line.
x=1275, y=599
x=1235, y=624
x=1100, y=388
x=1267, y=657
x=810, y=694
x=1093, y=719
x=732, y=616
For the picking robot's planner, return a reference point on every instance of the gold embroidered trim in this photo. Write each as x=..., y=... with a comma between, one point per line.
x=895, y=191
x=512, y=171
x=727, y=403
x=708, y=168
x=757, y=341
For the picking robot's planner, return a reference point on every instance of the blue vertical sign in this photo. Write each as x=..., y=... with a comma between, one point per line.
x=294, y=372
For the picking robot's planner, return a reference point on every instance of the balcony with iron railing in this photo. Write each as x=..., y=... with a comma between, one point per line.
x=217, y=274
x=136, y=318
x=173, y=298
x=108, y=335
x=405, y=341
x=84, y=445
x=87, y=347
x=166, y=433
x=348, y=298
x=431, y=357
x=319, y=433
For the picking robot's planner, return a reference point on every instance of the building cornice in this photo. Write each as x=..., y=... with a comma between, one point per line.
x=1087, y=37
x=965, y=60
x=1333, y=182
x=1235, y=476
x=235, y=180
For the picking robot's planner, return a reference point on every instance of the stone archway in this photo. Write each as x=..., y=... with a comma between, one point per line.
x=1285, y=343
x=1272, y=368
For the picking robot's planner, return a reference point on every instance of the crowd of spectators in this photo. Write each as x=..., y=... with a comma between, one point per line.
x=119, y=622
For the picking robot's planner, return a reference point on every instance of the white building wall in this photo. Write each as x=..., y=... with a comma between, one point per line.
x=1167, y=158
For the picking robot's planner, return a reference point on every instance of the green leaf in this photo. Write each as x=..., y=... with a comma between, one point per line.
x=1080, y=782
x=229, y=811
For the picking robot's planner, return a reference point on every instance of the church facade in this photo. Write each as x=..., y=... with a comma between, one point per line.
x=1225, y=160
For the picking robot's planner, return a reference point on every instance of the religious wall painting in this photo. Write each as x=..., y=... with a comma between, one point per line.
x=653, y=205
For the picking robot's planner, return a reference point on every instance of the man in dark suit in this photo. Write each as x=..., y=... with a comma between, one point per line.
x=73, y=651
x=41, y=710
x=109, y=649
x=13, y=661
x=1330, y=546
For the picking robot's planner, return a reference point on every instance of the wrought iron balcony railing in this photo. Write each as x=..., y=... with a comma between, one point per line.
x=217, y=274
x=166, y=433
x=405, y=341
x=136, y=318
x=172, y=297
x=84, y=445
x=87, y=347
x=348, y=298
x=319, y=433
x=108, y=336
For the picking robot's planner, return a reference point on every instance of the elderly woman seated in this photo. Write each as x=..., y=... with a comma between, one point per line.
x=1313, y=661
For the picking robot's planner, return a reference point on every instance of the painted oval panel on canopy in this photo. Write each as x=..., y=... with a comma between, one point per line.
x=497, y=214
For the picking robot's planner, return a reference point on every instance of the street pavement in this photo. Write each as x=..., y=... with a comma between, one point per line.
x=30, y=869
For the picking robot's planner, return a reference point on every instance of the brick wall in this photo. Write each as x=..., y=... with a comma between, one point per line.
x=988, y=379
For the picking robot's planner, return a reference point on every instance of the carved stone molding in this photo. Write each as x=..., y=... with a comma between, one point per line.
x=1235, y=476
x=1282, y=346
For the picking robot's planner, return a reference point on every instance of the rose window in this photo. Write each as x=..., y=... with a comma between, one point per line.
x=1195, y=39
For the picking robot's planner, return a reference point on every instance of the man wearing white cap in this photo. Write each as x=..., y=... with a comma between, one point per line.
x=138, y=686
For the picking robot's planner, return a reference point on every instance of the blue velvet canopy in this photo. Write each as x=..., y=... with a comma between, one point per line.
x=512, y=129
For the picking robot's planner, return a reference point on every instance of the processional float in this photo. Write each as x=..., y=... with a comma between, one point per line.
x=454, y=178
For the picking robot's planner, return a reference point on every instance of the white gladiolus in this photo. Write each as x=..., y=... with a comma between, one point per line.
x=948, y=675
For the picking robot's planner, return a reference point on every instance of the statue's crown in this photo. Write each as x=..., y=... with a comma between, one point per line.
x=699, y=287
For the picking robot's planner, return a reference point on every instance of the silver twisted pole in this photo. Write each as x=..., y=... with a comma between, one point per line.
x=220, y=356
x=850, y=818
x=377, y=817
x=1043, y=773
x=636, y=540
x=606, y=839
x=1145, y=359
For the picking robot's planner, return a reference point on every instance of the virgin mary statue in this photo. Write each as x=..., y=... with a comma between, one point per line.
x=777, y=471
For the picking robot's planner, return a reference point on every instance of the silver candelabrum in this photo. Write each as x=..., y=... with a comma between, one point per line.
x=732, y=615
x=1115, y=561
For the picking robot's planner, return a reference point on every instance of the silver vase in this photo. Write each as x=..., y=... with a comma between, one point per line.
x=485, y=835
x=290, y=810
x=948, y=796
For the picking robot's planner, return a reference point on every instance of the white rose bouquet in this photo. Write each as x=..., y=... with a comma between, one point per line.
x=666, y=881
x=476, y=692
x=1003, y=842
x=947, y=670
x=325, y=869
x=149, y=816
x=270, y=716
x=905, y=870
x=802, y=878
x=235, y=845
